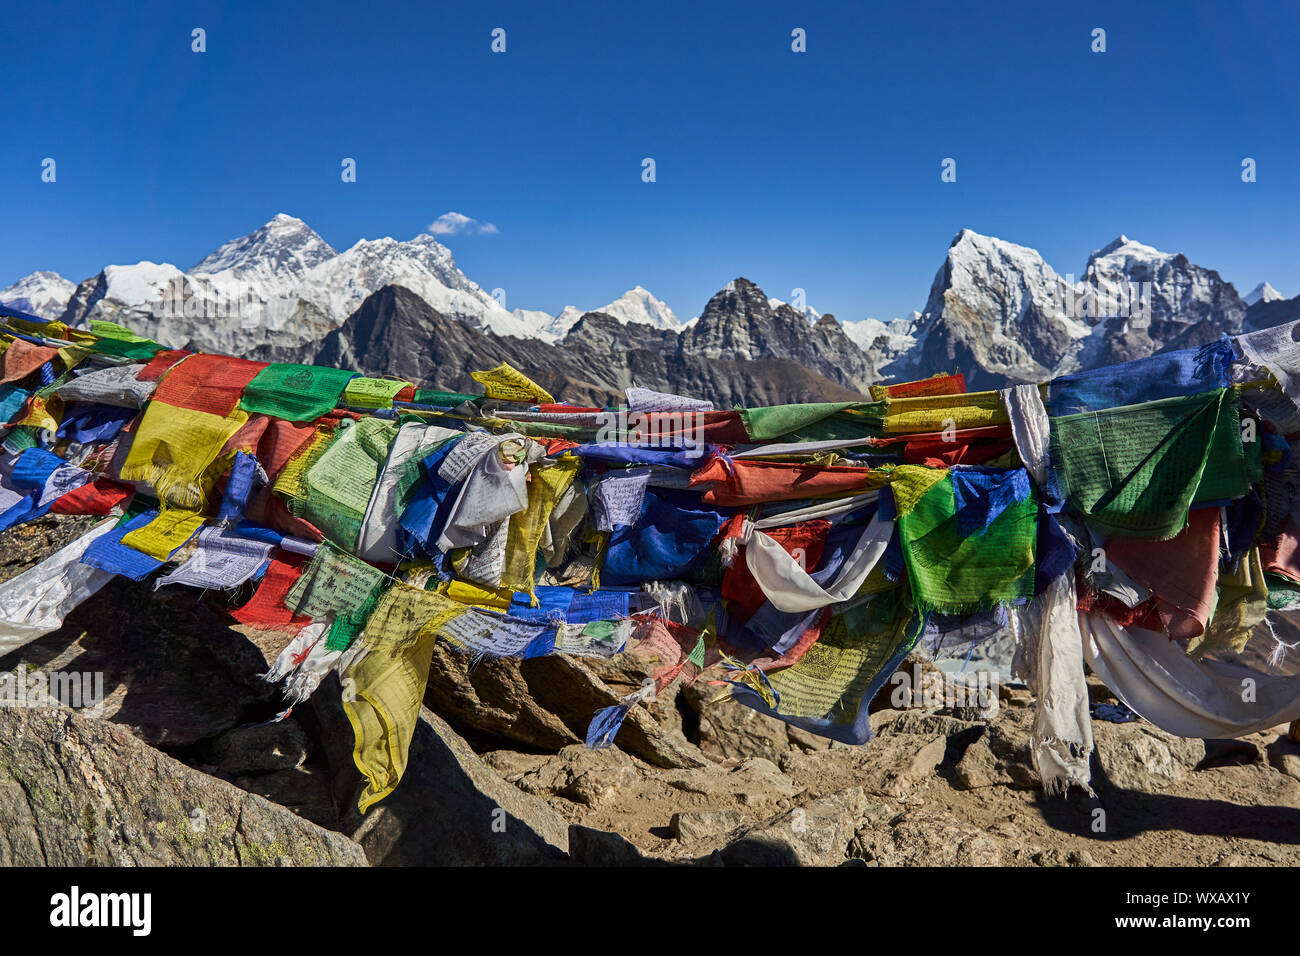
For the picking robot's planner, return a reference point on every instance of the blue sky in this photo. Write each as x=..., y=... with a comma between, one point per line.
x=818, y=170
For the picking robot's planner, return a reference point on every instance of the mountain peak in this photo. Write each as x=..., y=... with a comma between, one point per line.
x=1116, y=243
x=285, y=247
x=1263, y=293
x=42, y=293
x=1122, y=247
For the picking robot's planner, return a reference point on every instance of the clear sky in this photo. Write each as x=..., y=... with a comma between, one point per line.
x=818, y=170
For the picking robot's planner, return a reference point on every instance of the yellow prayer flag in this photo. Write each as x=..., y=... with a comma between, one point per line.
x=511, y=385
x=383, y=689
x=364, y=392
x=173, y=448
x=39, y=414
x=165, y=533
x=935, y=413
x=467, y=592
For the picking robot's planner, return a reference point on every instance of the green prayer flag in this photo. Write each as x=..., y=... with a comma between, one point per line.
x=364, y=392
x=431, y=396
x=140, y=349
x=777, y=421
x=337, y=486
x=1136, y=470
x=298, y=393
x=961, y=570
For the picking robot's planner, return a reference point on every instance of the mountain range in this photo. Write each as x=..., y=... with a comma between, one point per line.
x=995, y=311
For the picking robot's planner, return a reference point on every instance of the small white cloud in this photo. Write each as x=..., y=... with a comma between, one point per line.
x=454, y=224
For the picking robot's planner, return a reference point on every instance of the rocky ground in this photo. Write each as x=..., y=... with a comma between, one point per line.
x=184, y=767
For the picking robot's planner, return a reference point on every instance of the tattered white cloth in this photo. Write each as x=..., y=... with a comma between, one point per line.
x=1156, y=679
x=1278, y=350
x=378, y=539
x=1030, y=428
x=109, y=386
x=35, y=602
x=785, y=582
x=1049, y=658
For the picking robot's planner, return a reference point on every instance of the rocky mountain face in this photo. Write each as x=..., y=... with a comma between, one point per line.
x=996, y=311
x=739, y=323
x=396, y=332
x=1141, y=301
x=999, y=313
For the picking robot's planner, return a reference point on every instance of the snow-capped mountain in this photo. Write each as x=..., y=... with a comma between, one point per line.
x=1142, y=300
x=1262, y=293
x=42, y=293
x=809, y=312
x=637, y=305
x=996, y=311
x=885, y=340
x=280, y=287
x=283, y=250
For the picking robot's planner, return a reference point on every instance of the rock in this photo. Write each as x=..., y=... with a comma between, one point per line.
x=978, y=768
x=1099, y=693
x=450, y=808
x=1229, y=753
x=493, y=697
x=927, y=838
x=258, y=748
x=76, y=791
x=591, y=847
x=1000, y=756
x=698, y=824
x=814, y=834
x=577, y=773
x=545, y=702
x=174, y=671
x=894, y=765
x=1138, y=756
x=1284, y=755
x=805, y=741
x=754, y=782
x=730, y=731
x=1059, y=857
x=304, y=790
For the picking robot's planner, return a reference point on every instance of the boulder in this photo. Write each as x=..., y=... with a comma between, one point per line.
x=77, y=791
x=698, y=824
x=450, y=809
x=260, y=748
x=1284, y=755
x=175, y=672
x=816, y=833
x=729, y=732
x=1139, y=756
x=926, y=838
x=548, y=703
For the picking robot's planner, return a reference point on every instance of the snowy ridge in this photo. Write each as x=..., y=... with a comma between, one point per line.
x=41, y=293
